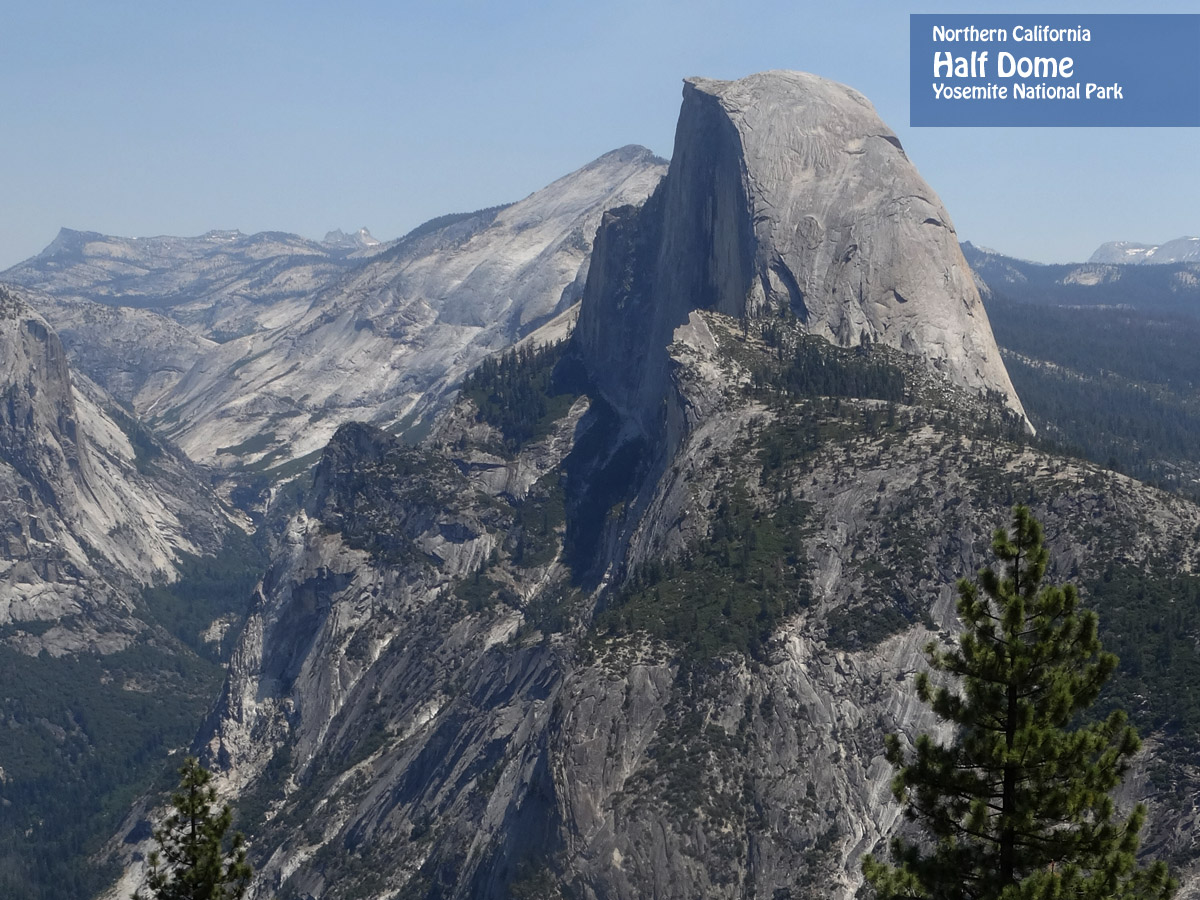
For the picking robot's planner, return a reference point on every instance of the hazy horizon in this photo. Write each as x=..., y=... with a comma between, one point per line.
x=141, y=121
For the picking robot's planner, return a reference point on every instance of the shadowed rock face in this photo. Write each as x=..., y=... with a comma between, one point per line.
x=37, y=418
x=84, y=526
x=785, y=191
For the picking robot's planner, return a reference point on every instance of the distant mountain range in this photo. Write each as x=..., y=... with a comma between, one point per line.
x=1184, y=249
x=358, y=240
x=250, y=350
x=1166, y=286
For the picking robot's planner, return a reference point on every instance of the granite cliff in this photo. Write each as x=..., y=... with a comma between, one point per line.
x=96, y=506
x=786, y=195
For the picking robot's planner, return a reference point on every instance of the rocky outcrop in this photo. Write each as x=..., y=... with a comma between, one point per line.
x=357, y=240
x=786, y=194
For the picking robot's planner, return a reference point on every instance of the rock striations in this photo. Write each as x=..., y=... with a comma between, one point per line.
x=463, y=675
x=785, y=193
x=251, y=350
x=94, y=506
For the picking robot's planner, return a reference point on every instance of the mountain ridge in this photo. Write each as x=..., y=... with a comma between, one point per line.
x=1182, y=249
x=289, y=339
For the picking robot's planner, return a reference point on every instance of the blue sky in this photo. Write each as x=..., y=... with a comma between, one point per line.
x=139, y=118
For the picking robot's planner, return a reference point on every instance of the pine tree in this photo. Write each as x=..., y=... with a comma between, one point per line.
x=192, y=861
x=1017, y=804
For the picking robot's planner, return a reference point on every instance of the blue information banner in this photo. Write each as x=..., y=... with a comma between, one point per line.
x=1054, y=70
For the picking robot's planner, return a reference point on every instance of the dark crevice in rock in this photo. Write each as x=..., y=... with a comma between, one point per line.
x=795, y=295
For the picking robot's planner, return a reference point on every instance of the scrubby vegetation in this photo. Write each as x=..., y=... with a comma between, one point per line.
x=520, y=394
x=81, y=736
x=1150, y=617
x=540, y=518
x=727, y=593
x=146, y=448
x=384, y=492
x=810, y=366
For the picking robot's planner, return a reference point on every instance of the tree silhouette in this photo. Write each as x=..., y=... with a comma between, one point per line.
x=197, y=858
x=1017, y=805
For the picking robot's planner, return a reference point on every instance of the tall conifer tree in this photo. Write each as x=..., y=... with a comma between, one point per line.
x=1017, y=804
x=197, y=858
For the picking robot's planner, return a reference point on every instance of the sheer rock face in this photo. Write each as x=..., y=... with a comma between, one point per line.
x=86, y=520
x=38, y=421
x=785, y=191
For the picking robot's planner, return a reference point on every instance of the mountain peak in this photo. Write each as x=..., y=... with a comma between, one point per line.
x=786, y=192
x=68, y=241
x=630, y=153
x=358, y=240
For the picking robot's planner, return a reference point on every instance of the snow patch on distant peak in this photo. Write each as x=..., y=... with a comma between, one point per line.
x=1182, y=249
